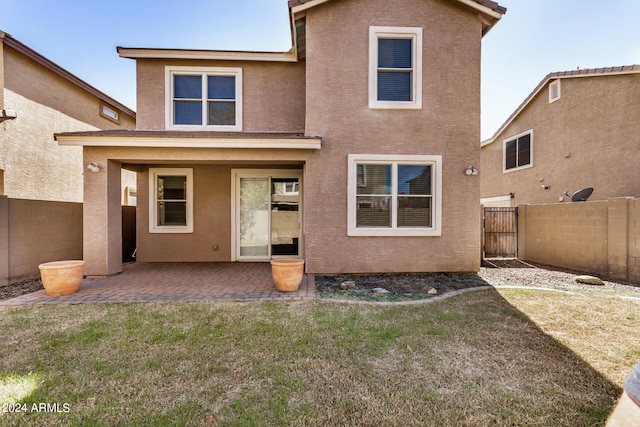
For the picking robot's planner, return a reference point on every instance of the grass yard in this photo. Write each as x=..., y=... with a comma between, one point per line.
x=507, y=357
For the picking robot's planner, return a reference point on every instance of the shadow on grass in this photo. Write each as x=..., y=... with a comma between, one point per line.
x=473, y=360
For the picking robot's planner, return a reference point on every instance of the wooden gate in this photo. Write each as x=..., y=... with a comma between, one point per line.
x=500, y=232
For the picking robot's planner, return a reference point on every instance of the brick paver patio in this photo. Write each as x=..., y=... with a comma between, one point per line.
x=165, y=282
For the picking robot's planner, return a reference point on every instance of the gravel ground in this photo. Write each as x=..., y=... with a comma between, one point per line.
x=509, y=273
x=405, y=287
x=20, y=288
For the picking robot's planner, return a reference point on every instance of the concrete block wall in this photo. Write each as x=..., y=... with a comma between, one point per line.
x=633, y=255
x=601, y=237
x=33, y=232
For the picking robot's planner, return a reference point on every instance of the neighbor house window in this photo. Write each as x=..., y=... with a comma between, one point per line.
x=205, y=98
x=518, y=151
x=394, y=195
x=554, y=91
x=395, y=67
x=109, y=113
x=171, y=200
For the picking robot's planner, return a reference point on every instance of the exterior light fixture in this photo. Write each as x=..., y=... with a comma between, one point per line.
x=93, y=167
x=471, y=170
x=7, y=115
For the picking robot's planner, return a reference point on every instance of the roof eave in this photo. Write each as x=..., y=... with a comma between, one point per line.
x=226, y=55
x=492, y=16
x=153, y=141
x=8, y=40
x=596, y=72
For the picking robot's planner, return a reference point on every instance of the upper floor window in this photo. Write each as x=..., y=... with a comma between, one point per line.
x=518, y=151
x=204, y=98
x=395, y=67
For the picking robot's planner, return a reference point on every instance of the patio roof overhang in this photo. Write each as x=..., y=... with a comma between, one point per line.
x=177, y=139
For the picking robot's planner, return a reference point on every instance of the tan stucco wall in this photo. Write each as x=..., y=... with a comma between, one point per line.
x=448, y=125
x=129, y=183
x=212, y=219
x=35, y=167
x=42, y=86
x=33, y=164
x=2, y=75
x=336, y=106
x=273, y=94
x=212, y=202
x=587, y=138
x=33, y=232
x=599, y=237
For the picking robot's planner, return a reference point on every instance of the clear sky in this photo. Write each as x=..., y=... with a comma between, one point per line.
x=534, y=38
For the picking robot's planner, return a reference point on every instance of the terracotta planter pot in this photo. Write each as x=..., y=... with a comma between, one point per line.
x=287, y=274
x=61, y=277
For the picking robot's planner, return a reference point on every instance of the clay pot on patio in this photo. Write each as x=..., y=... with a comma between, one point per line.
x=287, y=274
x=61, y=277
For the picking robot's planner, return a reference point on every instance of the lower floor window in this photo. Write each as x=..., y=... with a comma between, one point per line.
x=394, y=195
x=171, y=200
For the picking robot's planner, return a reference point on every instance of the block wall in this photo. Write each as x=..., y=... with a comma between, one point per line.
x=601, y=237
x=33, y=232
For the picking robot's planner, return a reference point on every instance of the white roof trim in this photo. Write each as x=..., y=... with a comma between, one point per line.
x=141, y=53
x=541, y=86
x=470, y=3
x=308, y=5
x=481, y=8
x=495, y=199
x=176, y=142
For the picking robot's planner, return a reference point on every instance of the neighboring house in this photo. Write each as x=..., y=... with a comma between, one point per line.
x=37, y=99
x=349, y=150
x=577, y=129
x=41, y=183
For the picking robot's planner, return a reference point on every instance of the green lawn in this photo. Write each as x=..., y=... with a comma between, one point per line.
x=511, y=357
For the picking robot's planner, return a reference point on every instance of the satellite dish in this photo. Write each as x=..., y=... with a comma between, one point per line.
x=582, y=195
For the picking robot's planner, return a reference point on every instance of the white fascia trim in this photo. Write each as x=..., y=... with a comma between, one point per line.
x=495, y=199
x=173, y=142
x=484, y=9
x=136, y=53
x=470, y=3
x=307, y=5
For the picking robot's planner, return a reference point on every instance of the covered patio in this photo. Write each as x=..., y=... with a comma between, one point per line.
x=178, y=282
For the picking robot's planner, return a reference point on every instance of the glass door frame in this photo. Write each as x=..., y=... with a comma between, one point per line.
x=236, y=176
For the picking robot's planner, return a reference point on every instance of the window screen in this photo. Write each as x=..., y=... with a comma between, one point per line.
x=395, y=69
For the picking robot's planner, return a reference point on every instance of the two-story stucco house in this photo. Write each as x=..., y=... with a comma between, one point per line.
x=349, y=150
x=577, y=129
x=45, y=99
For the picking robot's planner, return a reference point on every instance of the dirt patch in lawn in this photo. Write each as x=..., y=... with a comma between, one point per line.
x=20, y=288
x=394, y=286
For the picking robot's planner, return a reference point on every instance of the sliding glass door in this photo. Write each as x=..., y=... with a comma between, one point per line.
x=268, y=214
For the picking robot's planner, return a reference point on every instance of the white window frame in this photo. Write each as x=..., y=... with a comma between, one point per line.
x=554, y=84
x=170, y=71
x=413, y=33
x=504, y=152
x=109, y=113
x=435, y=161
x=153, y=201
